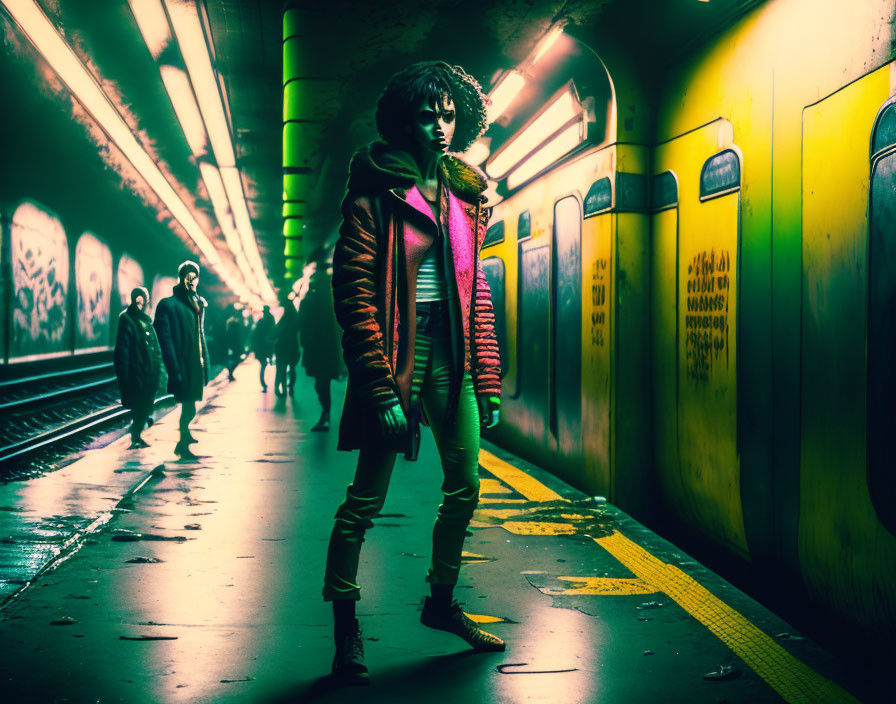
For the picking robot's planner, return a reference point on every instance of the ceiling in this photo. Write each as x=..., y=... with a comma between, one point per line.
x=348, y=50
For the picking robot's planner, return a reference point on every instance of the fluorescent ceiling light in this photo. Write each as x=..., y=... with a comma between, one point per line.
x=553, y=116
x=233, y=185
x=559, y=146
x=218, y=197
x=477, y=153
x=546, y=43
x=191, y=39
x=504, y=93
x=178, y=86
x=83, y=86
x=153, y=24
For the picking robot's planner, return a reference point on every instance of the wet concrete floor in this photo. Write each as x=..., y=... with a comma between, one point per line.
x=203, y=585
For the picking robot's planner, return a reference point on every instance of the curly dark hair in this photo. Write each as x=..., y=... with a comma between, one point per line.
x=430, y=80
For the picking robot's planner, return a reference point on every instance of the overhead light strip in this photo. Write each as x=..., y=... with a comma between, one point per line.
x=41, y=32
x=184, y=17
x=554, y=115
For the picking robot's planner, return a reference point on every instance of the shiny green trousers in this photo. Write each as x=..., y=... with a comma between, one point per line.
x=457, y=440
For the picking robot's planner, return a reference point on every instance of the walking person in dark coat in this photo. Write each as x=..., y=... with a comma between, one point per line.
x=138, y=363
x=320, y=337
x=180, y=324
x=233, y=338
x=286, y=347
x=263, y=343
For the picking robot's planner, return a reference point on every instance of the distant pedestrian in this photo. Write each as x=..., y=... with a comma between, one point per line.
x=180, y=324
x=320, y=337
x=286, y=347
x=263, y=343
x=233, y=338
x=138, y=363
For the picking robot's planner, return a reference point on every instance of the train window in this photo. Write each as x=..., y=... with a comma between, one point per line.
x=663, y=191
x=881, y=374
x=524, y=226
x=494, y=234
x=631, y=192
x=884, y=128
x=720, y=175
x=600, y=197
x=493, y=268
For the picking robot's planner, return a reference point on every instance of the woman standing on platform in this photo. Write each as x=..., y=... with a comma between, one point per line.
x=418, y=333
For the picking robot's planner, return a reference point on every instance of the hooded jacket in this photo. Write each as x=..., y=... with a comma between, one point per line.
x=181, y=329
x=138, y=359
x=387, y=229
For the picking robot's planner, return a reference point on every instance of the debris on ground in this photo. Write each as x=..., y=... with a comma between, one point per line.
x=725, y=672
x=649, y=605
x=504, y=669
x=141, y=560
x=64, y=621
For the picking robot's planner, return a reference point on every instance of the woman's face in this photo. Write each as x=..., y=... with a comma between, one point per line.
x=433, y=124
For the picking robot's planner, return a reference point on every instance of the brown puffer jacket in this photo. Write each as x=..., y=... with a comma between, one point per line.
x=387, y=229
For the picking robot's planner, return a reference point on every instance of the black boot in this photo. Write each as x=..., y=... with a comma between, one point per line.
x=348, y=663
x=453, y=620
x=323, y=424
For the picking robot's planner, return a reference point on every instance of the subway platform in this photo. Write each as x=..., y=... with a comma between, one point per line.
x=129, y=576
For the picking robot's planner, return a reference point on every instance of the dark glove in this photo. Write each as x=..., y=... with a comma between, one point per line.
x=489, y=411
x=391, y=417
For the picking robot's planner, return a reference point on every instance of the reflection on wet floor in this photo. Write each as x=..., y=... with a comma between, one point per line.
x=205, y=585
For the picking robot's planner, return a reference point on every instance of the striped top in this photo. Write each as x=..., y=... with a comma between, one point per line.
x=431, y=284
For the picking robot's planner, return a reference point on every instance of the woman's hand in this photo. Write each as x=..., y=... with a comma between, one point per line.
x=392, y=419
x=489, y=411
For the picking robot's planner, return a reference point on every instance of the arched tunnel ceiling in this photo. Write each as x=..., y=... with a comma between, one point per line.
x=348, y=51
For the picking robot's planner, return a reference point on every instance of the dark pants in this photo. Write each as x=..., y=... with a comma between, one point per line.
x=322, y=387
x=285, y=380
x=139, y=416
x=187, y=413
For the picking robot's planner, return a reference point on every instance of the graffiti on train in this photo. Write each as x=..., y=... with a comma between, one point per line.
x=599, y=302
x=40, y=281
x=706, y=318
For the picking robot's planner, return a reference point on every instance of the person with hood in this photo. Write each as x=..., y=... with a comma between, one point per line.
x=319, y=334
x=418, y=334
x=180, y=325
x=138, y=363
x=286, y=347
x=263, y=343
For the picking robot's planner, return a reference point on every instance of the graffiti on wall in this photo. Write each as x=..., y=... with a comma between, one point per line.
x=706, y=319
x=130, y=275
x=599, y=281
x=40, y=281
x=93, y=278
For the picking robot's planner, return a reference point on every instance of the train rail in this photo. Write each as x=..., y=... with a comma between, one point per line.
x=45, y=410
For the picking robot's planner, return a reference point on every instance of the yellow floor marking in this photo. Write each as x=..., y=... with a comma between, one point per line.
x=470, y=558
x=502, y=513
x=488, y=500
x=492, y=486
x=791, y=678
x=531, y=488
x=538, y=528
x=596, y=586
x=479, y=618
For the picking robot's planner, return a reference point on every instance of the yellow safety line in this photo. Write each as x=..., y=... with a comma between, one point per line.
x=792, y=679
x=531, y=488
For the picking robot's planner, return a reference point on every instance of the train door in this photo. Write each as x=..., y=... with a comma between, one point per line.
x=664, y=324
x=566, y=323
x=846, y=378
x=533, y=340
x=703, y=485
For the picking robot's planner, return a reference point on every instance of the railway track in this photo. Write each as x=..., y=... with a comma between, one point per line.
x=46, y=411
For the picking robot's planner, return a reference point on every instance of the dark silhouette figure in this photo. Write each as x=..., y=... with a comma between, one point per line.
x=180, y=325
x=286, y=347
x=138, y=363
x=233, y=338
x=263, y=343
x=319, y=334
